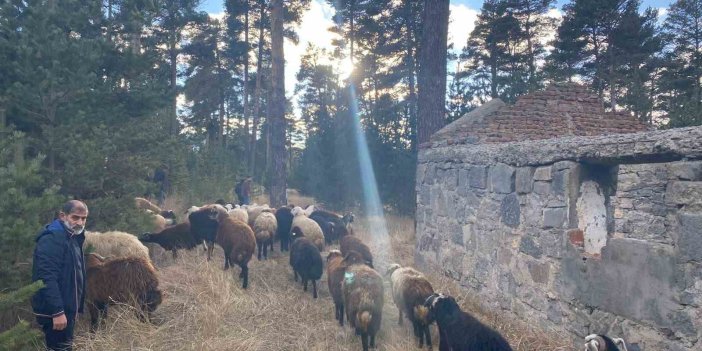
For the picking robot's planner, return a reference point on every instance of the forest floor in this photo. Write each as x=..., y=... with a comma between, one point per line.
x=205, y=308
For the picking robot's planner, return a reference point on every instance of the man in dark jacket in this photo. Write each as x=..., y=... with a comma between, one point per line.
x=58, y=262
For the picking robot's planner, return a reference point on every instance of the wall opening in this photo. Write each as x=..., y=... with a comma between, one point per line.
x=593, y=206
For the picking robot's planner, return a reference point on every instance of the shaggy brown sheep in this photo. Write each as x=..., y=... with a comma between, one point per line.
x=128, y=280
x=363, y=300
x=238, y=241
x=410, y=288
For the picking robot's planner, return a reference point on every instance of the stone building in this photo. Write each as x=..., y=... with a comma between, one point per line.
x=569, y=217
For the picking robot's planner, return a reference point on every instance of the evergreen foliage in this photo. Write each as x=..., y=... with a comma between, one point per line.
x=21, y=336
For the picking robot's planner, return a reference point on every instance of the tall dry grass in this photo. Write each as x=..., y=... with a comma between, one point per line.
x=205, y=308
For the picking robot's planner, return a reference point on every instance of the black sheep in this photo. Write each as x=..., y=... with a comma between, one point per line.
x=333, y=225
x=284, y=218
x=306, y=261
x=203, y=225
x=459, y=331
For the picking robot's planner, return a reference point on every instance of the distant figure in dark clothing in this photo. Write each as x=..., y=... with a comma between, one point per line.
x=58, y=262
x=246, y=191
x=237, y=190
x=161, y=178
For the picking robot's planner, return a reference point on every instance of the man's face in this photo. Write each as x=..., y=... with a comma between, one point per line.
x=75, y=220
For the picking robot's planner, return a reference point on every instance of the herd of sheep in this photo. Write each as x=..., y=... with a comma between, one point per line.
x=119, y=270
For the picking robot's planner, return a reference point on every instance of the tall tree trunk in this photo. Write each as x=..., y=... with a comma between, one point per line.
x=612, y=80
x=352, y=34
x=173, y=56
x=246, y=71
x=431, y=104
x=412, y=98
x=257, y=93
x=277, y=111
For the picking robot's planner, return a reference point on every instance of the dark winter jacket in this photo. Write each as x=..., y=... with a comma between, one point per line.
x=58, y=261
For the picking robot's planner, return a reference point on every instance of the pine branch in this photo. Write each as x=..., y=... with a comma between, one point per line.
x=19, y=295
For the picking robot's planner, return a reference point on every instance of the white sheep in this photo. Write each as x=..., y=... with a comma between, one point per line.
x=115, y=244
x=253, y=211
x=307, y=227
x=264, y=229
x=239, y=213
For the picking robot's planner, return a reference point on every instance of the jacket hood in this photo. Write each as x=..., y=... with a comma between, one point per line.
x=56, y=226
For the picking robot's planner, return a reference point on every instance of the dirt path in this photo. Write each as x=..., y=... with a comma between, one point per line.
x=204, y=308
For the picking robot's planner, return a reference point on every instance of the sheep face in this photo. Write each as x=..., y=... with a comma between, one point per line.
x=442, y=308
x=348, y=218
x=393, y=267
x=594, y=342
x=332, y=254
x=298, y=211
x=152, y=300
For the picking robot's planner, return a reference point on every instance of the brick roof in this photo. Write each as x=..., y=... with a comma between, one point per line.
x=559, y=110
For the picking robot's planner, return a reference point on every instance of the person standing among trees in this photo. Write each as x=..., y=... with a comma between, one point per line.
x=58, y=262
x=161, y=178
x=246, y=191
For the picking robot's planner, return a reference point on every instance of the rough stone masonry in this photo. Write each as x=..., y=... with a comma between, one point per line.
x=591, y=234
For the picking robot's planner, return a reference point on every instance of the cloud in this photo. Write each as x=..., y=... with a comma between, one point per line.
x=461, y=23
x=218, y=16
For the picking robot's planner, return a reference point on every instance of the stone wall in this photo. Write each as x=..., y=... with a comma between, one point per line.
x=591, y=235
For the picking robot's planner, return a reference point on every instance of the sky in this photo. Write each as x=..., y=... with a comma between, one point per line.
x=318, y=18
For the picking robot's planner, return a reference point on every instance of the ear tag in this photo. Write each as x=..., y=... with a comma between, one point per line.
x=349, y=277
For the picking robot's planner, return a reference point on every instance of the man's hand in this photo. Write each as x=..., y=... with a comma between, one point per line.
x=60, y=322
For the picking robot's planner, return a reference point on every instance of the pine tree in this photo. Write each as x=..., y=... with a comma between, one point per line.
x=680, y=87
x=21, y=336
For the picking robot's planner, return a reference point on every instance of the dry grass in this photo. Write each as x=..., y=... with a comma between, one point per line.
x=206, y=309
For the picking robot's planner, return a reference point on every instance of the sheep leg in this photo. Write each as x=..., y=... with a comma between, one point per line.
x=210, y=250
x=427, y=335
x=175, y=253
x=295, y=274
x=399, y=319
x=443, y=340
x=226, y=260
x=245, y=273
x=314, y=288
x=364, y=341
x=265, y=250
x=341, y=314
x=258, y=244
x=94, y=316
x=304, y=283
x=372, y=340
x=418, y=332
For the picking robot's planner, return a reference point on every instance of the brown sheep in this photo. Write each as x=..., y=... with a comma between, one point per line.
x=351, y=243
x=127, y=280
x=144, y=204
x=238, y=241
x=363, y=299
x=410, y=289
x=336, y=267
x=172, y=238
x=265, y=228
x=335, y=273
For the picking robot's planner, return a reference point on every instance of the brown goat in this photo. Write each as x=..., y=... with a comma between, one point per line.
x=363, y=299
x=410, y=289
x=349, y=243
x=127, y=280
x=238, y=241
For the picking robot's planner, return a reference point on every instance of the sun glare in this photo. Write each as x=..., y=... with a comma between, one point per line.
x=345, y=68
